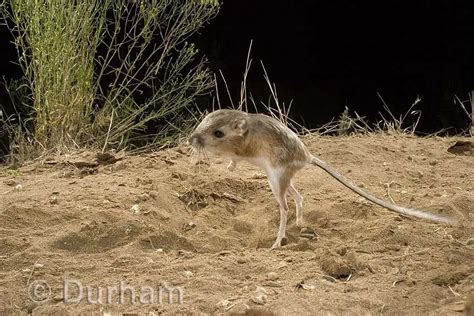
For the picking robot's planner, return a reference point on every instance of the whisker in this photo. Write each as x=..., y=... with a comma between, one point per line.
x=190, y=151
x=204, y=158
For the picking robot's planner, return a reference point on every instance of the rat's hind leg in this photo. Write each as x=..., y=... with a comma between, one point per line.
x=299, y=204
x=281, y=198
x=279, y=182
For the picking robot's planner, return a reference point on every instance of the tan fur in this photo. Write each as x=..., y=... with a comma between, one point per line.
x=281, y=144
x=269, y=144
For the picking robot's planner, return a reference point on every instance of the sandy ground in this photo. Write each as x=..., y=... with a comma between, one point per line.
x=157, y=223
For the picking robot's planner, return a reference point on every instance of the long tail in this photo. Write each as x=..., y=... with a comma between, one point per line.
x=399, y=209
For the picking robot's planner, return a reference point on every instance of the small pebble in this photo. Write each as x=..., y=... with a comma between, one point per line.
x=260, y=299
x=224, y=303
x=135, y=209
x=260, y=289
x=308, y=232
x=119, y=166
x=188, y=274
x=308, y=286
x=10, y=182
x=470, y=241
x=342, y=250
x=241, y=260
x=189, y=226
x=261, y=296
x=272, y=276
x=153, y=194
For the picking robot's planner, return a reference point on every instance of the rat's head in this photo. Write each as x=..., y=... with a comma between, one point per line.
x=222, y=132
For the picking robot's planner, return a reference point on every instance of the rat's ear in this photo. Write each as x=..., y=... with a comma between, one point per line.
x=240, y=126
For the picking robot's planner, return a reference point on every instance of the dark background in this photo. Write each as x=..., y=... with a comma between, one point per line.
x=325, y=55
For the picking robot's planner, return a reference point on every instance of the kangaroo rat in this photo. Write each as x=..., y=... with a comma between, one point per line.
x=269, y=144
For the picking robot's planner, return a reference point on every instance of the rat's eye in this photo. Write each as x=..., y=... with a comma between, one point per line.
x=218, y=133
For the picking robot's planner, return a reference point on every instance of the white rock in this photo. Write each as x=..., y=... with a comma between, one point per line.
x=260, y=299
x=272, y=276
x=260, y=289
x=135, y=208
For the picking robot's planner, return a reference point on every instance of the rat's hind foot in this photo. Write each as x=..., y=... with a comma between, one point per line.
x=280, y=242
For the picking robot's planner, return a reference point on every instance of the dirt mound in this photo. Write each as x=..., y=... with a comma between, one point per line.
x=159, y=224
x=97, y=237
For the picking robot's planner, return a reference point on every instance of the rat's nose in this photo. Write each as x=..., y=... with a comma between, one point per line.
x=196, y=140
